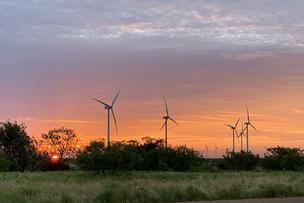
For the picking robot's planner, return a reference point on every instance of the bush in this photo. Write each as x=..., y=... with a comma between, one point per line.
x=91, y=158
x=280, y=158
x=239, y=161
x=125, y=156
x=4, y=162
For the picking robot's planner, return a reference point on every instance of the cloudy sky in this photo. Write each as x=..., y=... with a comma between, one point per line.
x=209, y=58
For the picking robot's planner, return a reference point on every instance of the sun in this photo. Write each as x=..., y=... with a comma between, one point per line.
x=54, y=158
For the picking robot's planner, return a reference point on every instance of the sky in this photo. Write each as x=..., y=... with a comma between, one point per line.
x=210, y=59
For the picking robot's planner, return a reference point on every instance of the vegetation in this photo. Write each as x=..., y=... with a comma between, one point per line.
x=240, y=161
x=17, y=147
x=61, y=142
x=121, y=171
x=120, y=157
x=148, y=187
x=280, y=158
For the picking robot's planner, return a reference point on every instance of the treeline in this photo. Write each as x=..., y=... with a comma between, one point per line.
x=150, y=155
x=57, y=150
x=276, y=158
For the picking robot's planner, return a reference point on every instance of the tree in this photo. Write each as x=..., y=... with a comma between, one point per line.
x=283, y=158
x=61, y=142
x=240, y=161
x=91, y=158
x=17, y=145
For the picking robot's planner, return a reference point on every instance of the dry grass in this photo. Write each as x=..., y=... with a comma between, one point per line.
x=147, y=187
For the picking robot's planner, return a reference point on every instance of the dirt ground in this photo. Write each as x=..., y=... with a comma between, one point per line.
x=275, y=200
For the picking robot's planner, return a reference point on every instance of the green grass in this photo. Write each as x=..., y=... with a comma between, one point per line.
x=147, y=186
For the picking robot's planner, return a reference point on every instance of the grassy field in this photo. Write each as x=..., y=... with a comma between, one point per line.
x=147, y=187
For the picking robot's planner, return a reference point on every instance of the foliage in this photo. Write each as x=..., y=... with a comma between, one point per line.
x=17, y=145
x=126, y=156
x=239, y=161
x=4, y=162
x=91, y=158
x=61, y=142
x=281, y=158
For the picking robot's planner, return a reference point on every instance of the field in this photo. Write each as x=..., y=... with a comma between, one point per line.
x=147, y=186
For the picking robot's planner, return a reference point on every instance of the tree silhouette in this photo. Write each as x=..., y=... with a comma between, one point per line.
x=17, y=145
x=61, y=142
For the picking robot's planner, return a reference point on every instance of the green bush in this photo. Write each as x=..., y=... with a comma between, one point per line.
x=281, y=158
x=240, y=161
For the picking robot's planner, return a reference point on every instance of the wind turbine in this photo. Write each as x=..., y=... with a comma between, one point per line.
x=167, y=117
x=248, y=125
x=242, y=134
x=109, y=108
x=234, y=132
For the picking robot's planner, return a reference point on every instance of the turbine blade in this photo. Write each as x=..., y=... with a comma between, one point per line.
x=230, y=126
x=237, y=123
x=115, y=121
x=114, y=100
x=238, y=139
x=163, y=125
x=167, y=111
x=248, y=118
x=236, y=132
x=253, y=127
x=173, y=121
x=105, y=104
x=245, y=128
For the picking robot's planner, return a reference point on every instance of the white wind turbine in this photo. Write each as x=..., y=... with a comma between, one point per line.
x=248, y=125
x=109, y=108
x=234, y=132
x=165, y=125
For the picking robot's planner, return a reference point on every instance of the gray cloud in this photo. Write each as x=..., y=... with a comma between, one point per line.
x=175, y=24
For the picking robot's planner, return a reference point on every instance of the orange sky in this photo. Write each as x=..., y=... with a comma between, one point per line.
x=210, y=59
x=201, y=100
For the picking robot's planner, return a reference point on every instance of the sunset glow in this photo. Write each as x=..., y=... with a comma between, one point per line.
x=55, y=158
x=209, y=59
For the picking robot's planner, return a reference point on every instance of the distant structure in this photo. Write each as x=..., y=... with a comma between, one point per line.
x=167, y=117
x=248, y=124
x=234, y=133
x=207, y=147
x=109, y=108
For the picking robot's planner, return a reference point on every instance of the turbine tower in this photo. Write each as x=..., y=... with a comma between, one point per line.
x=234, y=132
x=242, y=134
x=207, y=147
x=248, y=125
x=109, y=108
x=167, y=117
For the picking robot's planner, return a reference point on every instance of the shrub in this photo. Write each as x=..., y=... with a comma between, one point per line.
x=91, y=158
x=125, y=156
x=281, y=158
x=4, y=162
x=239, y=161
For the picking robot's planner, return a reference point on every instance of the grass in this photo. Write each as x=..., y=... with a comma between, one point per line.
x=76, y=186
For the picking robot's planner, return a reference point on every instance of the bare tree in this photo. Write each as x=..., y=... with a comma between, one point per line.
x=61, y=142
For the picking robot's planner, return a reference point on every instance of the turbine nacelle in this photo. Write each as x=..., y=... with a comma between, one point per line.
x=166, y=117
x=107, y=107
